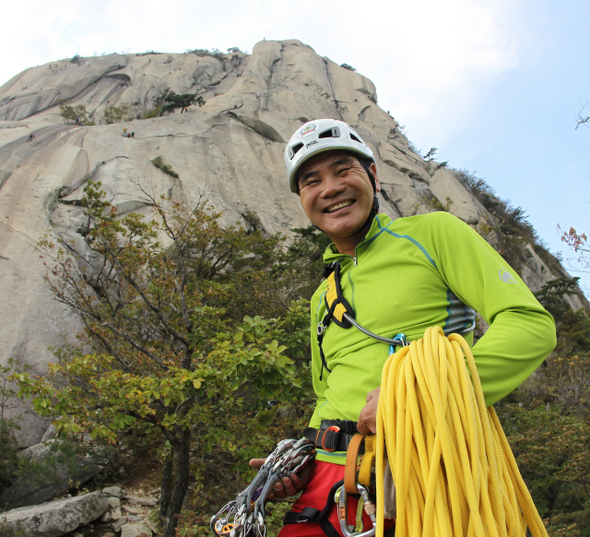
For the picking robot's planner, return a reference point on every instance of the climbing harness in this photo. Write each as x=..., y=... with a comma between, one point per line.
x=244, y=516
x=350, y=530
x=358, y=483
x=453, y=469
x=341, y=312
x=333, y=435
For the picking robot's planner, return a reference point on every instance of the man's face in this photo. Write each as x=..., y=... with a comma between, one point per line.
x=337, y=196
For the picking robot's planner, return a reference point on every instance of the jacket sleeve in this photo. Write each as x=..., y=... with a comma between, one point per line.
x=521, y=332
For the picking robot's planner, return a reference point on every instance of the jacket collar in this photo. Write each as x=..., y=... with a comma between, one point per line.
x=380, y=222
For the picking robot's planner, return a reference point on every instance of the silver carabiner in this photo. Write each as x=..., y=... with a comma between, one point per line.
x=348, y=530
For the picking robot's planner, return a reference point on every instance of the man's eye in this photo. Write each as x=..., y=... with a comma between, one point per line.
x=308, y=182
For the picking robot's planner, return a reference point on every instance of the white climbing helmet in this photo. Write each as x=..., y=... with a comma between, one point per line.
x=317, y=136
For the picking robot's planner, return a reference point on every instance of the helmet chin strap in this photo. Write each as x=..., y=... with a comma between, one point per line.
x=375, y=207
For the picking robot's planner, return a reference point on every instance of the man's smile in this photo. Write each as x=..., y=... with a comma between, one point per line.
x=339, y=205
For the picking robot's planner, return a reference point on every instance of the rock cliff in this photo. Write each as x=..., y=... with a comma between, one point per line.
x=229, y=150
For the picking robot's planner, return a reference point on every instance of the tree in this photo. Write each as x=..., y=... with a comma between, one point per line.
x=553, y=453
x=583, y=117
x=116, y=114
x=578, y=242
x=173, y=355
x=547, y=420
x=181, y=101
x=8, y=445
x=75, y=114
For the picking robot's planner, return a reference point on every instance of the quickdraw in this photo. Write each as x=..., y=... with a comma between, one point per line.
x=368, y=505
x=244, y=516
x=342, y=313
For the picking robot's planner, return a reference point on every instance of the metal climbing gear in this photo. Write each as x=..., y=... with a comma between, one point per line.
x=368, y=505
x=244, y=516
x=342, y=313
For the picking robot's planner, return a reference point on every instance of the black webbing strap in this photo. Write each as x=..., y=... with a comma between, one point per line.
x=333, y=435
x=310, y=514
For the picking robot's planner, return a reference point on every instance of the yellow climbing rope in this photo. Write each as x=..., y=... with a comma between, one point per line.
x=453, y=469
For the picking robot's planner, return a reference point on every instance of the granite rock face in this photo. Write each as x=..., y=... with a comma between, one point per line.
x=53, y=519
x=61, y=468
x=229, y=150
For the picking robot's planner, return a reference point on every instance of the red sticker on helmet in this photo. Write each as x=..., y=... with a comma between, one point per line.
x=310, y=127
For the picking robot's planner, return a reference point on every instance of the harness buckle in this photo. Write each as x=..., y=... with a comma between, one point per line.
x=333, y=428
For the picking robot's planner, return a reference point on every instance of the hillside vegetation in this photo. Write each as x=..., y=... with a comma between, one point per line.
x=152, y=205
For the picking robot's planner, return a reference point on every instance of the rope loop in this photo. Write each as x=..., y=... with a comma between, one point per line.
x=453, y=469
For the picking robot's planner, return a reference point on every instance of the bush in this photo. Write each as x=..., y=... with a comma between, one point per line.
x=154, y=112
x=215, y=53
x=181, y=101
x=75, y=115
x=116, y=114
x=158, y=162
x=183, y=356
x=8, y=446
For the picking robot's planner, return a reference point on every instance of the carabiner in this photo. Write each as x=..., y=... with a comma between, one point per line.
x=401, y=338
x=348, y=530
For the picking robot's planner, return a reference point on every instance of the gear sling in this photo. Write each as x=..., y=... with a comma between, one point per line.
x=341, y=312
x=340, y=434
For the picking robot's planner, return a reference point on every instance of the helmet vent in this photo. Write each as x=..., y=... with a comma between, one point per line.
x=355, y=138
x=333, y=132
x=295, y=149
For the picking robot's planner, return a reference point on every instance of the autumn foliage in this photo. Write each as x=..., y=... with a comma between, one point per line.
x=185, y=341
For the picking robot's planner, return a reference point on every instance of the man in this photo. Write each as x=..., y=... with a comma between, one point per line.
x=399, y=278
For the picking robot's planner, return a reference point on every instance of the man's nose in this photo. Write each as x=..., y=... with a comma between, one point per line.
x=332, y=186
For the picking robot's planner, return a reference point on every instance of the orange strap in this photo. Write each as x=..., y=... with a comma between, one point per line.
x=352, y=456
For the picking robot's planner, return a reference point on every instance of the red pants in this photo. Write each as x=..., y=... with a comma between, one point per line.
x=315, y=494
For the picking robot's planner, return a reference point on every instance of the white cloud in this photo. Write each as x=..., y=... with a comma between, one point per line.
x=430, y=60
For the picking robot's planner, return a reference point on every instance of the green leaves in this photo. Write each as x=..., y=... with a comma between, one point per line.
x=193, y=330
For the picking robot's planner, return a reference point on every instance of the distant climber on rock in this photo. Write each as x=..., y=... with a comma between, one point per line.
x=31, y=137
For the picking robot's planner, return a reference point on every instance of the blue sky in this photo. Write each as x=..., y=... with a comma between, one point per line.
x=495, y=85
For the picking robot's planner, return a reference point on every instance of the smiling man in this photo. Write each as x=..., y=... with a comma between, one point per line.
x=397, y=278
x=337, y=194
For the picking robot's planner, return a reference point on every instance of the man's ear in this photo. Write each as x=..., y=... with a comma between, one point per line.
x=373, y=169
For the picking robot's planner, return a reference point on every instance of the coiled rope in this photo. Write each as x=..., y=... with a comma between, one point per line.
x=453, y=469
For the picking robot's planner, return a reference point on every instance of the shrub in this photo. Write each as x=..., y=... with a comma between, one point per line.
x=154, y=112
x=158, y=162
x=181, y=101
x=75, y=115
x=215, y=53
x=116, y=114
x=177, y=357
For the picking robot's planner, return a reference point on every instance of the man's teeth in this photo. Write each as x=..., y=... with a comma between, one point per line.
x=340, y=206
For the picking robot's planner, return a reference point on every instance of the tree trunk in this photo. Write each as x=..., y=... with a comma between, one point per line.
x=181, y=476
x=167, y=481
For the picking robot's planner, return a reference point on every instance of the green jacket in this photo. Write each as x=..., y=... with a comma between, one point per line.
x=413, y=273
